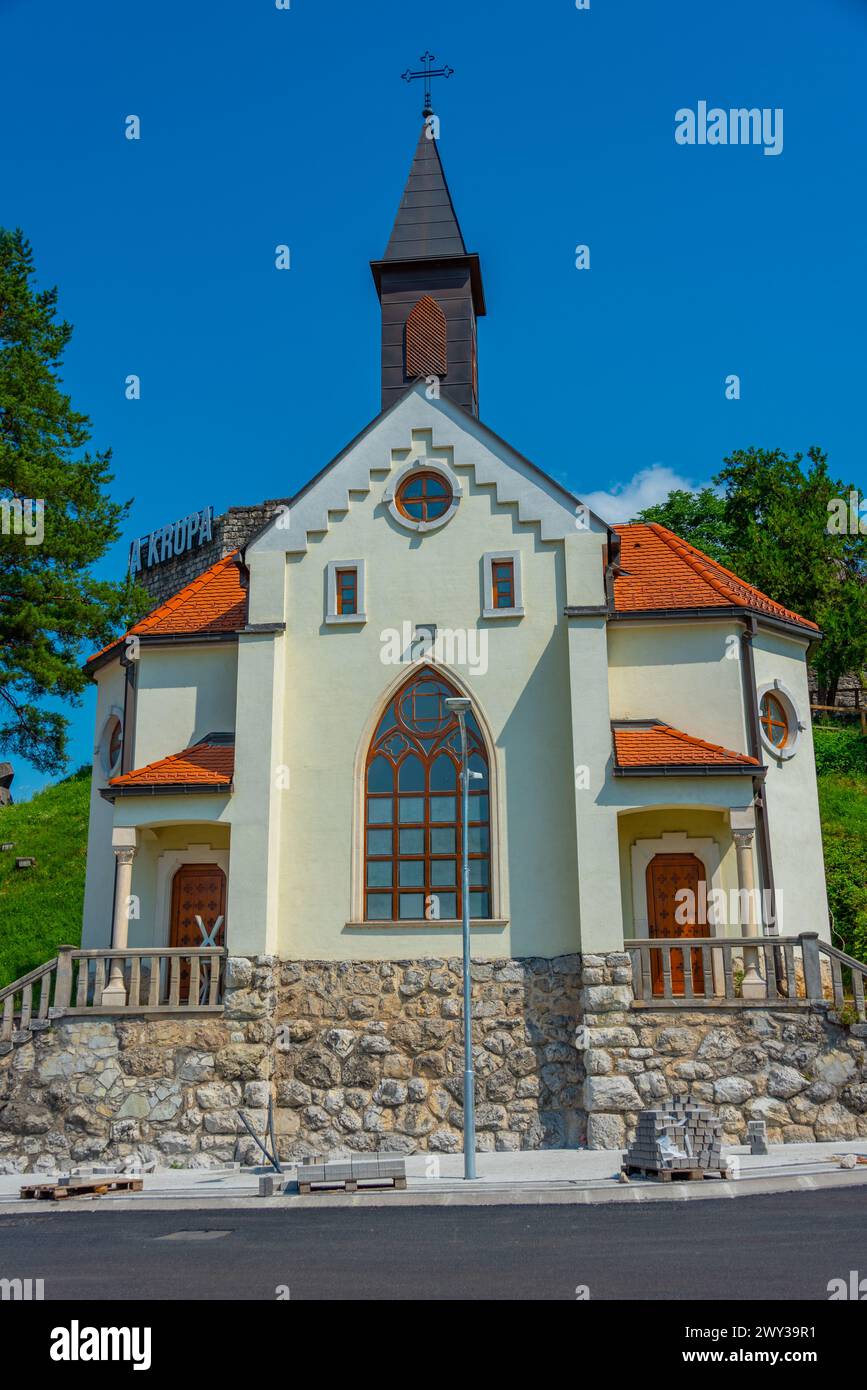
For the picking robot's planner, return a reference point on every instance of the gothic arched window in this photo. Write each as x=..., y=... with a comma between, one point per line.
x=413, y=809
x=426, y=339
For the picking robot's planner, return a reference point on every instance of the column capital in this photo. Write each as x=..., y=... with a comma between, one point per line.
x=743, y=838
x=124, y=854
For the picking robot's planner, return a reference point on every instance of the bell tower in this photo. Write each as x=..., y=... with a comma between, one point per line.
x=429, y=287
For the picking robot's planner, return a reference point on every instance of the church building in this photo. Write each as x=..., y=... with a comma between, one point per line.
x=276, y=773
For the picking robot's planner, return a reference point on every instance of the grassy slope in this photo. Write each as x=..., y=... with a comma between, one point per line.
x=41, y=908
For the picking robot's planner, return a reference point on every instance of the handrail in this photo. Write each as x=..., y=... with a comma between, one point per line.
x=783, y=969
x=108, y=980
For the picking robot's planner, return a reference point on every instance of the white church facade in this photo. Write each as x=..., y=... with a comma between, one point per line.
x=274, y=870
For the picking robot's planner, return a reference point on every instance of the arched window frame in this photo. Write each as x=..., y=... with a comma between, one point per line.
x=499, y=908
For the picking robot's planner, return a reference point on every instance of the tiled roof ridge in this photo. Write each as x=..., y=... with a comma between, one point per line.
x=149, y=774
x=722, y=580
x=692, y=740
x=176, y=601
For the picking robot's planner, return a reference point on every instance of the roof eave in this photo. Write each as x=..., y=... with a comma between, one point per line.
x=691, y=770
x=722, y=611
x=470, y=259
x=167, y=789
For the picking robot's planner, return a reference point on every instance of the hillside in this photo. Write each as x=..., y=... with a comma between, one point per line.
x=40, y=908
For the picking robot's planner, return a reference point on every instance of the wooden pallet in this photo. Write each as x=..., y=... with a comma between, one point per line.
x=671, y=1174
x=80, y=1187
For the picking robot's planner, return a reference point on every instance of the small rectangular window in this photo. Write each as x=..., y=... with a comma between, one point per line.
x=502, y=591
x=347, y=591
x=503, y=583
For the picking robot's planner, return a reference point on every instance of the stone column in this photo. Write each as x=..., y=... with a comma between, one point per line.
x=114, y=994
x=753, y=986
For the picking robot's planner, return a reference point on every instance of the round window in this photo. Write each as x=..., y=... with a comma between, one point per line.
x=774, y=721
x=424, y=496
x=114, y=744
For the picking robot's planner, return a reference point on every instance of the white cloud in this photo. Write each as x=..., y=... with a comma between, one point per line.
x=647, y=487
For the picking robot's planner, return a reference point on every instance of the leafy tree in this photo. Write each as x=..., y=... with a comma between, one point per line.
x=786, y=545
x=51, y=606
x=699, y=517
x=773, y=524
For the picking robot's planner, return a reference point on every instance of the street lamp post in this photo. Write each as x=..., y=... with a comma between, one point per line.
x=460, y=705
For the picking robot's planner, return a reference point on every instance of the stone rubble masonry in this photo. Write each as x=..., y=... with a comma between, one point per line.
x=794, y=1068
x=230, y=532
x=358, y=1057
x=361, y=1056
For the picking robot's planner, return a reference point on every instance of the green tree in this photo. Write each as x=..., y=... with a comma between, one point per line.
x=772, y=522
x=698, y=517
x=785, y=543
x=56, y=521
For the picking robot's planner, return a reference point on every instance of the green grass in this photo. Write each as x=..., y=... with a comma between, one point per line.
x=41, y=908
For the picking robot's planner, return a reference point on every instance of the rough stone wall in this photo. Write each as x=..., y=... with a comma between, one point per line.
x=357, y=1056
x=161, y=1090
x=370, y=1055
x=795, y=1068
x=230, y=531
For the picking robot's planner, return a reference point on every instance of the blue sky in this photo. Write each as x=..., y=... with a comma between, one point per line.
x=262, y=126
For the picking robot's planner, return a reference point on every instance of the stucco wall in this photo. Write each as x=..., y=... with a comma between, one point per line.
x=99, y=877
x=336, y=681
x=792, y=796
x=680, y=673
x=182, y=694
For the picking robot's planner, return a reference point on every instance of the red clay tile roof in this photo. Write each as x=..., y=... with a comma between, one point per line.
x=212, y=602
x=659, y=745
x=663, y=571
x=206, y=764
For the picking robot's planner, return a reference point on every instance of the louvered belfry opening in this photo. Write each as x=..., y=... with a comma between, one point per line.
x=426, y=351
x=430, y=289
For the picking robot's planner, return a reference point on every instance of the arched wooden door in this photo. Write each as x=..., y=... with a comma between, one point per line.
x=198, y=890
x=667, y=875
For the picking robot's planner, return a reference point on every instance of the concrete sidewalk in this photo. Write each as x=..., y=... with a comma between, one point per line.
x=538, y=1177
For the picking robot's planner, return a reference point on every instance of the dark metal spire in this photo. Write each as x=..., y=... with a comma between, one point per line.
x=426, y=223
x=427, y=73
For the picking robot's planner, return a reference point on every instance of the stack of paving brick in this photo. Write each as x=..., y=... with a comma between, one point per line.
x=681, y=1137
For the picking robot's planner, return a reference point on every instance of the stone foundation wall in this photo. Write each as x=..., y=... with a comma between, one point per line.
x=370, y=1055
x=794, y=1068
x=357, y=1056
x=363, y=1056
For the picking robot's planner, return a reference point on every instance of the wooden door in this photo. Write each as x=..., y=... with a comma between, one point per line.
x=198, y=890
x=667, y=874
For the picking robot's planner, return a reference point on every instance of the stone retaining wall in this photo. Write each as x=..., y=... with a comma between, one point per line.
x=358, y=1056
x=362, y=1056
x=795, y=1068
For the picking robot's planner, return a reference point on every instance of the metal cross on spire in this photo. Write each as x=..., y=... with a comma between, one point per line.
x=427, y=73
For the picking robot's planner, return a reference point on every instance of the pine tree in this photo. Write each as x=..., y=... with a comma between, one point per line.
x=56, y=521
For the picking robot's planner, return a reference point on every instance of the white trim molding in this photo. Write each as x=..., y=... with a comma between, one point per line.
x=489, y=558
x=796, y=725
x=103, y=743
x=331, y=613
x=423, y=463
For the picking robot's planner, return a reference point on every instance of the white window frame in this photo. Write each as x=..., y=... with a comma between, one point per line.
x=490, y=558
x=423, y=464
x=796, y=724
x=331, y=613
x=103, y=745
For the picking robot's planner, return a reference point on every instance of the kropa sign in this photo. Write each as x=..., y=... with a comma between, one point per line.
x=167, y=542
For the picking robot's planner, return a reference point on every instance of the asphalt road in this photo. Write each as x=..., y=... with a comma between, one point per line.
x=763, y=1247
